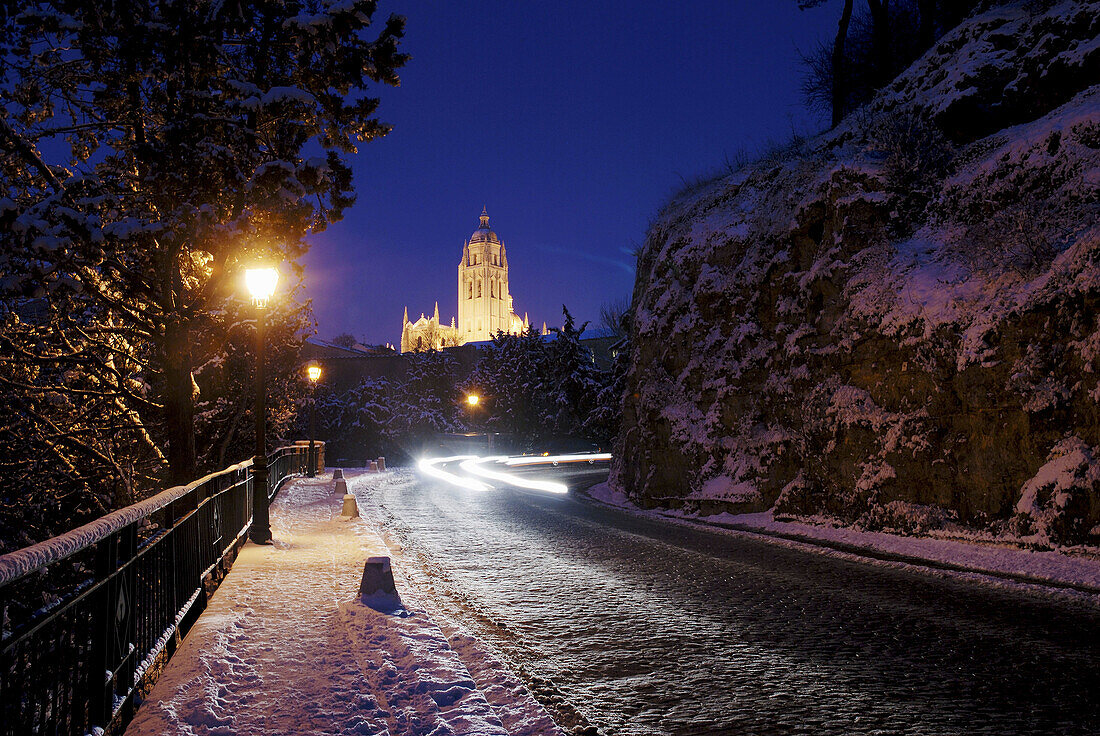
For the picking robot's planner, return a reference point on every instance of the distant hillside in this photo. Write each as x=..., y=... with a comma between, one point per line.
x=894, y=324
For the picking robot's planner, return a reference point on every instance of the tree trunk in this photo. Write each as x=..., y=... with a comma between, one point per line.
x=840, y=76
x=179, y=409
x=880, y=41
x=926, y=31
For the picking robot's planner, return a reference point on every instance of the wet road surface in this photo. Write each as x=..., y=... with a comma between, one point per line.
x=636, y=626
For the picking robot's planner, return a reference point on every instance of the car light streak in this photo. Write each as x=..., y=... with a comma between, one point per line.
x=557, y=459
x=474, y=466
x=428, y=467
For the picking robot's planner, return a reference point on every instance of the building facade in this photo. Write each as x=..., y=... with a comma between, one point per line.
x=484, y=301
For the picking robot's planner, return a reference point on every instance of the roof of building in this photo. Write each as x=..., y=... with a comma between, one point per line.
x=325, y=349
x=483, y=234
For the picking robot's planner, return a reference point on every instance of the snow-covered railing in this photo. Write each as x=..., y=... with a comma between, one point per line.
x=15, y=565
x=89, y=616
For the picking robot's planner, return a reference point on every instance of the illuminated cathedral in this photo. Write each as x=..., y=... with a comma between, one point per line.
x=484, y=301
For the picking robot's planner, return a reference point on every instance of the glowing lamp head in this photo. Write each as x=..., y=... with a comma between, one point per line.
x=314, y=373
x=261, y=283
x=472, y=399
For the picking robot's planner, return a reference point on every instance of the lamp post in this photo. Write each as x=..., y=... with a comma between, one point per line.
x=472, y=401
x=314, y=373
x=261, y=285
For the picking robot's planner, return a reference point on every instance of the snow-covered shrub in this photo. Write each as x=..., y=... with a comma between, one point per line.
x=915, y=157
x=902, y=517
x=1061, y=503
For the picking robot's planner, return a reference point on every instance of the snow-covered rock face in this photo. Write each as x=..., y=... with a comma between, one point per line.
x=1004, y=67
x=895, y=315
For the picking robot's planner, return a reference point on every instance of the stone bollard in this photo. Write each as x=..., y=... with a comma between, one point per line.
x=341, y=486
x=381, y=465
x=377, y=589
x=338, y=474
x=351, y=509
x=373, y=466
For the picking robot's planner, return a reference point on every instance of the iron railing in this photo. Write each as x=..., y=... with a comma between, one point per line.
x=90, y=617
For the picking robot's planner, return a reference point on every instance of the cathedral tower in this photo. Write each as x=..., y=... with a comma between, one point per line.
x=484, y=302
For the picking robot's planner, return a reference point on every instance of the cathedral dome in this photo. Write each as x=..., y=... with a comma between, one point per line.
x=483, y=234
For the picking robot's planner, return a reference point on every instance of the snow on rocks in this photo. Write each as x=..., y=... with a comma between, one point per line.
x=897, y=314
x=285, y=646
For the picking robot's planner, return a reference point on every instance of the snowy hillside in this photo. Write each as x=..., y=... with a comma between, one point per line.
x=894, y=324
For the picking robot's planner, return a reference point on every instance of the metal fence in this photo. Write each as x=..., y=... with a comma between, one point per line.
x=90, y=616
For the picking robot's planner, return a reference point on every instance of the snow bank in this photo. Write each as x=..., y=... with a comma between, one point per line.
x=982, y=557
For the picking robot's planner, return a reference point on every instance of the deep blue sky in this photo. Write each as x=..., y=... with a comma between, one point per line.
x=572, y=121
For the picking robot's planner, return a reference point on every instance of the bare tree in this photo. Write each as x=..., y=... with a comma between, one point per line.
x=838, y=61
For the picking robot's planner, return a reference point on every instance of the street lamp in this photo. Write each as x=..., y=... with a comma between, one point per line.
x=261, y=286
x=472, y=400
x=314, y=373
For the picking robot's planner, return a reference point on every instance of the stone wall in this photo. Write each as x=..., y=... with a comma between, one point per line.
x=894, y=324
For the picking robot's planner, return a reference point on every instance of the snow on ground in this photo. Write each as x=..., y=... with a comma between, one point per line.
x=999, y=560
x=514, y=704
x=284, y=646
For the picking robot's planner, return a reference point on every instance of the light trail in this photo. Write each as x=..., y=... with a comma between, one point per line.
x=474, y=466
x=557, y=459
x=427, y=467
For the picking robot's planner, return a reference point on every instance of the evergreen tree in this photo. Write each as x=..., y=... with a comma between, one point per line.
x=573, y=380
x=150, y=151
x=512, y=376
x=426, y=400
x=605, y=420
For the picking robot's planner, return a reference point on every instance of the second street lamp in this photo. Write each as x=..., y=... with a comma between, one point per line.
x=261, y=285
x=314, y=373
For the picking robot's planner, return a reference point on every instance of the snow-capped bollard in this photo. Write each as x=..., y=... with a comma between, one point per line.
x=338, y=474
x=381, y=465
x=351, y=509
x=377, y=589
x=341, y=487
x=373, y=466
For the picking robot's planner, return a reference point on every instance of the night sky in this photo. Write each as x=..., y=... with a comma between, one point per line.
x=572, y=122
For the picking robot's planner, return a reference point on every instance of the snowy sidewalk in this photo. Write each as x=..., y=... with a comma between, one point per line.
x=286, y=648
x=1076, y=574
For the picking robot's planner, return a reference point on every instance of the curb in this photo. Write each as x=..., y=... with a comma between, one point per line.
x=869, y=552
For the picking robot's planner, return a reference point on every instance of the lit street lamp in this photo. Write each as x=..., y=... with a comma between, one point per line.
x=314, y=373
x=472, y=401
x=261, y=285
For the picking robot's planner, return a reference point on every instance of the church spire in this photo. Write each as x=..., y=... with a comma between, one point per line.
x=484, y=217
x=405, y=319
x=437, y=311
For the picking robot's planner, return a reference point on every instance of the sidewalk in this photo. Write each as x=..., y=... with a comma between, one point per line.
x=286, y=648
x=1053, y=570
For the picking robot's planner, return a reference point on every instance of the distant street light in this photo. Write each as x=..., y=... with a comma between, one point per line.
x=314, y=373
x=472, y=401
x=261, y=285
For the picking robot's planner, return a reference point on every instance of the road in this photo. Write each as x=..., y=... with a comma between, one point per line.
x=636, y=626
